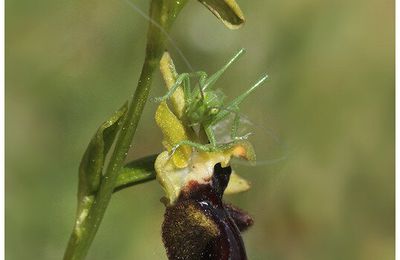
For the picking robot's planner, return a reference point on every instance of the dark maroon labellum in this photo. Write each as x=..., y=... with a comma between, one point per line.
x=200, y=226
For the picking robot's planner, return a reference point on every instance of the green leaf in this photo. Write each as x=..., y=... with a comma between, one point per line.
x=91, y=167
x=228, y=11
x=136, y=172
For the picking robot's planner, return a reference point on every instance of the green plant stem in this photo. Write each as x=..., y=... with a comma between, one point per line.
x=102, y=199
x=163, y=13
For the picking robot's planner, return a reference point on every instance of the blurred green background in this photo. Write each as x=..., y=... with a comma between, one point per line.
x=324, y=188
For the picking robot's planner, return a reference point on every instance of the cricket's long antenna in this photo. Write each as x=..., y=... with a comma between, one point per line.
x=236, y=102
x=240, y=98
x=151, y=20
x=213, y=78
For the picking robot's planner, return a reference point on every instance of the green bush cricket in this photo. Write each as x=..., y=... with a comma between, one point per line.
x=204, y=105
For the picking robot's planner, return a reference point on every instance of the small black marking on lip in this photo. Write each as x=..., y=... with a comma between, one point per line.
x=200, y=226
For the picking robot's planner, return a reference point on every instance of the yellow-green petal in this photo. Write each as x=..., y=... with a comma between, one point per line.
x=236, y=184
x=169, y=75
x=173, y=131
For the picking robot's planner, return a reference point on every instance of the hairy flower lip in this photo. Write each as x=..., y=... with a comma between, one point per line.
x=200, y=226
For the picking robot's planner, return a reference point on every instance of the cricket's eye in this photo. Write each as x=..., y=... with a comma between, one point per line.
x=214, y=111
